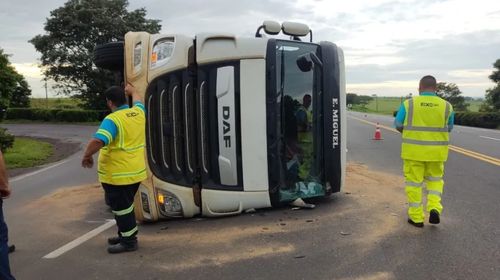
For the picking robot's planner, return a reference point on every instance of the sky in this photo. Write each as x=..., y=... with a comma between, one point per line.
x=388, y=45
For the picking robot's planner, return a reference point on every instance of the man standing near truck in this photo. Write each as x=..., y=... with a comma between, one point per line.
x=425, y=122
x=121, y=167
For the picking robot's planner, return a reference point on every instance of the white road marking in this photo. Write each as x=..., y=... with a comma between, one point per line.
x=486, y=137
x=80, y=240
x=20, y=177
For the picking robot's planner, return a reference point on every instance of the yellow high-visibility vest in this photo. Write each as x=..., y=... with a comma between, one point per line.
x=425, y=131
x=122, y=161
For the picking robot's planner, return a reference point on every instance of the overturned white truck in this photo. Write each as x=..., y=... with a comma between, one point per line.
x=235, y=123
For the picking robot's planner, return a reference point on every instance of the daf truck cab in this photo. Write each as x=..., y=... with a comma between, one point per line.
x=235, y=123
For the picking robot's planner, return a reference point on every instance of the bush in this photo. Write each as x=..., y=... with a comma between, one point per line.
x=478, y=119
x=44, y=114
x=6, y=140
x=58, y=115
x=18, y=113
x=77, y=116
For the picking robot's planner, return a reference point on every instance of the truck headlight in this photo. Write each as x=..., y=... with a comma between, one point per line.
x=145, y=203
x=169, y=204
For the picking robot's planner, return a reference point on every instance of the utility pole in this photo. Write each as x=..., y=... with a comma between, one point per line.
x=46, y=95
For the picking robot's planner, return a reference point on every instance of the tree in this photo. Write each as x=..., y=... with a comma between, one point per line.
x=355, y=99
x=14, y=90
x=72, y=32
x=351, y=98
x=451, y=93
x=21, y=96
x=492, y=101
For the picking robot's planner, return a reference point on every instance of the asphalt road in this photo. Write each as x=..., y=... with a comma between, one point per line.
x=468, y=242
x=360, y=233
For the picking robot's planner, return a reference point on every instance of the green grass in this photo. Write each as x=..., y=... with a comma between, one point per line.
x=27, y=152
x=387, y=105
x=55, y=103
x=382, y=105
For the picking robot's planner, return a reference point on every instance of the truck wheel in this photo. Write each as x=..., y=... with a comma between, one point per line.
x=109, y=56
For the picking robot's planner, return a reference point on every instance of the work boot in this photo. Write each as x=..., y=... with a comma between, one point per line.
x=114, y=240
x=415, y=224
x=434, y=217
x=122, y=247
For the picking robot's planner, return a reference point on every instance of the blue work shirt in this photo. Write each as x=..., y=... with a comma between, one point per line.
x=400, y=117
x=107, y=130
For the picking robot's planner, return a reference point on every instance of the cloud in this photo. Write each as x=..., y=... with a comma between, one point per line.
x=28, y=70
x=464, y=59
x=470, y=73
x=22, y=21
x=197, y=16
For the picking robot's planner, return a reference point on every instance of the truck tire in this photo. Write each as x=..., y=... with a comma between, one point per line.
x=109, y=56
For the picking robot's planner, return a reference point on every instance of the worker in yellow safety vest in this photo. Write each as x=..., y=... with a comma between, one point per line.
x=122, y=166
x=304, y=126
x=425, y=122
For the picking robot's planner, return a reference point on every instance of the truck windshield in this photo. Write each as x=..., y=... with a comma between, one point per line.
x=299, y=96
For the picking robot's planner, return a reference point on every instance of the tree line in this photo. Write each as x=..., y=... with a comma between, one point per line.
x=451, y=93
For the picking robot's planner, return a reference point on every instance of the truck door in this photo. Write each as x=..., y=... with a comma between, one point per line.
x=305, y=125
x=223, y=160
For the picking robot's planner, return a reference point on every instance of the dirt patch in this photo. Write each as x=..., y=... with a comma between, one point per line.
x=382, y=195
x=81, y=200
x=66, y=209
x=61, y=151
x=369, y=209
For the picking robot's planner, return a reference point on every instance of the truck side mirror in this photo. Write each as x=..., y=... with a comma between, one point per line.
x=270, y=27
x=316, y=60
x=296, y=30
x=305, y=61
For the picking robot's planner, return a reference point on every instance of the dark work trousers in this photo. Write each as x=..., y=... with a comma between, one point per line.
x=121, y=201
x=4, y=248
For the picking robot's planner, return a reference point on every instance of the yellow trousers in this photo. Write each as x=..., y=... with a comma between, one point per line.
x=416, y=173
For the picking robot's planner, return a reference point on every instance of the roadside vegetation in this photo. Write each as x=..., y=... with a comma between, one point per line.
x=27, y=152
x=472, y=117
x=387, y=105
x=378, y=105
x=67, y=103
x=468, y=111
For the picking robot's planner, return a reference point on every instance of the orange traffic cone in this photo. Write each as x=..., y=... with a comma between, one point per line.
x=378, y=133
